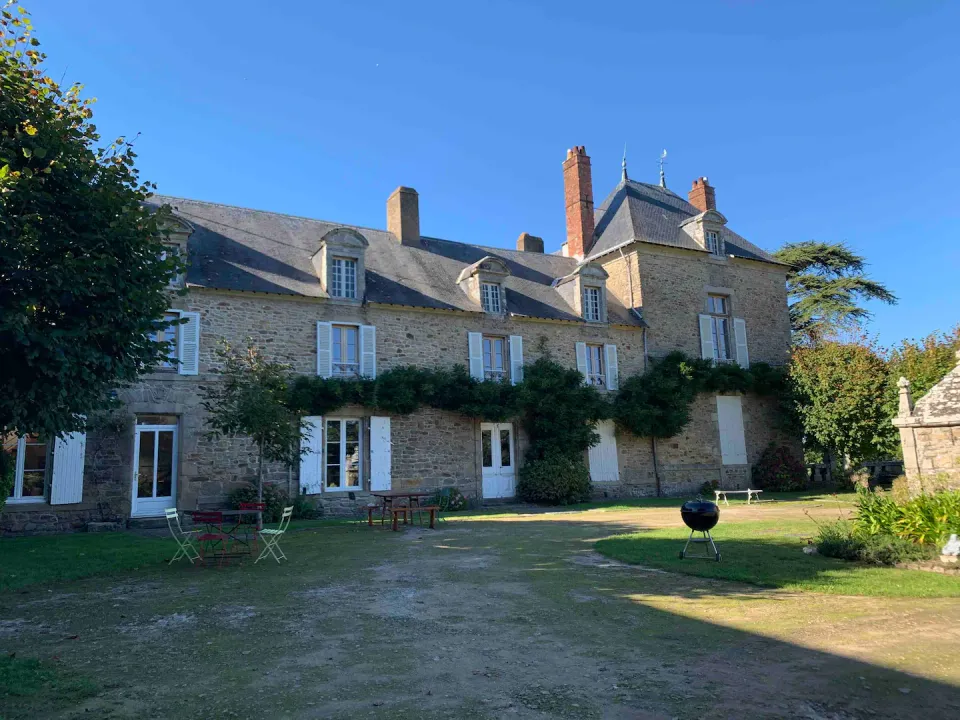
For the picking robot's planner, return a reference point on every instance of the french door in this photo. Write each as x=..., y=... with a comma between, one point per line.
x=498, y=460
x=154, y=470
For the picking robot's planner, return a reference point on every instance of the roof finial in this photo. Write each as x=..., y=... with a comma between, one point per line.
x=663, y=178
x=623, y=165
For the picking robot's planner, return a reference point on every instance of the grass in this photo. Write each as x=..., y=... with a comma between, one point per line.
x=45, y=686
x=769, y=554
x=55, y=558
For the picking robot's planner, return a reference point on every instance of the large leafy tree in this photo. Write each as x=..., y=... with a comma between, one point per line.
x=840, y=389
x=83, y=275
x=827, y=284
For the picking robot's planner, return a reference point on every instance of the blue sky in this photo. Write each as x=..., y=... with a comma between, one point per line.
x=824, y=120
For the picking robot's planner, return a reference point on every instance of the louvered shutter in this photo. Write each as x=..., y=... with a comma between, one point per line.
x=188, y=350
x=706, y=337
x=582, y=359
x=381, y=453
x=475, y=347
x=740, y=334
x=311, y=456
x=613, y=370
x=368, y=351
x=324, y=350
x=516, y=359
x=68, y=455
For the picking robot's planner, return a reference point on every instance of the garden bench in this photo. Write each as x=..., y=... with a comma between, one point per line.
x=755, y=494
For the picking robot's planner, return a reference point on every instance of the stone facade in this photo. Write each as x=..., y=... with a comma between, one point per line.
x=930, y=434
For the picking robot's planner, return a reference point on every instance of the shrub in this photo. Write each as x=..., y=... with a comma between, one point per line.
x=554, y=481
x=900, y=490
x=8, y=471
x=779, y=469
x=709, y=486
x=276, y=500
x=839, y=541
x=926, y=519
x=449, y=499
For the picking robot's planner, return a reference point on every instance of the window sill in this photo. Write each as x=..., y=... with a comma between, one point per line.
x=27, y=501
x=356, y=489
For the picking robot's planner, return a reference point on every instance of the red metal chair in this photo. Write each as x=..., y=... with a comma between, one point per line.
x=211, y=534
x=257, y=522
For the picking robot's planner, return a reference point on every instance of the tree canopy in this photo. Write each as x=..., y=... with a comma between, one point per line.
x=826, y=285
x=83, y=268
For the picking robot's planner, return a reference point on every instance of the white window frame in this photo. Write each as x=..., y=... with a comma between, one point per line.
x=18, y=498
x=173, y=356
x=594, y=376
x=714, y=242
x=343, y=278
x=489, y=371
x=720, y=328
x=491, y=297
x=343, y=454
x=338, y=365
x=177, y=280
x=592, y=304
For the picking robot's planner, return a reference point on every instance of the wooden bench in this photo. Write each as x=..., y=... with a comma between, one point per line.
x=398, y=511
x=755, y=494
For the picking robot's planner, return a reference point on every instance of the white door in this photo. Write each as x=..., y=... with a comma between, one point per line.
x=154, y=470
x=497, y=460
x=603, y=456
x=733, y=447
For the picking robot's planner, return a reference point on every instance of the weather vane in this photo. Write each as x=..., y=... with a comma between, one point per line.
x=624, y=163
x=663, y=178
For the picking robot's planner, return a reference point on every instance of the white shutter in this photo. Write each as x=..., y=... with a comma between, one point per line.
x=602, y=457
x=188, y=351
x=381, y=453
x=706, y=337
x=311, y=456
x=68, y=453
x=516, y=359
x=368, y=351
x=324, y=349
x=582, y=359
x=613, y=370
x=740, y=334
x=475, y=346
x=733, y=447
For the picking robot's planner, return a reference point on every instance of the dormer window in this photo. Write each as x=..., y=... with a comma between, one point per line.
x=490, y=297
x=592, y=304
x=343, y=278
x=714, y=243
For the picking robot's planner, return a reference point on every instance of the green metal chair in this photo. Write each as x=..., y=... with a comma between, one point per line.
x=271, y=537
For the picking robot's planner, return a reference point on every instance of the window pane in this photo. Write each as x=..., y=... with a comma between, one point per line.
x=486, y=445
x=353, y=431
x=333, y=476
x=333, y=453
x=337, y=343
x=32, y=483
x=165, y=464
x=145, y=465
x=351, y=334
x=333, y=431
x=498, y=354
x=504, y=448
x=10, y=442
x=353, y=464
x=350, y=278
x=156, y=419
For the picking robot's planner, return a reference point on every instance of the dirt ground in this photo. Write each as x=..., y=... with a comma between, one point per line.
x=507, y=616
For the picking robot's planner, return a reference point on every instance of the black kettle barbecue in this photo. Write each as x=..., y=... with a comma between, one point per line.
x=701, y=516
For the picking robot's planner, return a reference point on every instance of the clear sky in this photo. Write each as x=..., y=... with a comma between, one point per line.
x=813, y=120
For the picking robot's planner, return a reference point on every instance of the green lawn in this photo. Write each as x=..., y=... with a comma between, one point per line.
x=769, y=554
x=43, y=685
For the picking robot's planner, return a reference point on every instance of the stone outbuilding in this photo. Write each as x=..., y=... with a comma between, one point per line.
x=930, y=434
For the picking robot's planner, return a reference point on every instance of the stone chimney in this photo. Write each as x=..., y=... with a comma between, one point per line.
x=403, y=216
x=578, y=194
x=702, y=195
x=529, y=243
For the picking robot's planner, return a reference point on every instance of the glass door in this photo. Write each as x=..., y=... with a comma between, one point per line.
x=497, y=460
x=154, y=470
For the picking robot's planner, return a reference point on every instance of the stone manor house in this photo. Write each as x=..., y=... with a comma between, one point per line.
x=643, y=273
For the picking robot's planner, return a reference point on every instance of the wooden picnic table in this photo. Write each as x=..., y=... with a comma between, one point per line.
x=388, y=497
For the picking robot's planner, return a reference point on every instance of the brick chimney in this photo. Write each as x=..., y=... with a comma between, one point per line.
x=529, y=243
x=403, y=216
x=578, y=194
x=702, y=195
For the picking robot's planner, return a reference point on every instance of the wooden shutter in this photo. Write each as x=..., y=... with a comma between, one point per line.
x=516, y=359
x=475, y=347
x=381, y=453
x=733, y=448
x=368, y=351
x=706, y=337
x=324, y=349
x=613, y=370
x=68, y=454
x=582, y=359
x=604, y=466
x=311, y=456
x=740, y=334
x=188, y=336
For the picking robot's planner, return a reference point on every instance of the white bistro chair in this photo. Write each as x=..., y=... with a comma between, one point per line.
x=271, y=537
x=184, y=538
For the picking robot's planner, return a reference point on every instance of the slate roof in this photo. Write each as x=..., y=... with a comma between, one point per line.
x=943, y=399
x=235, y=248
x=652, y=214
